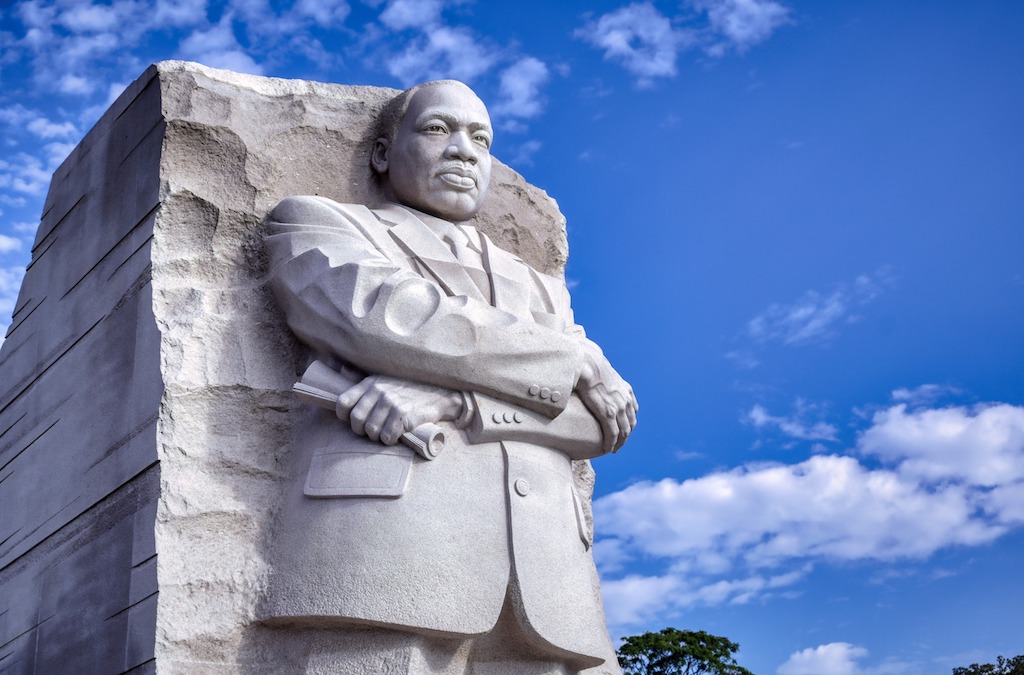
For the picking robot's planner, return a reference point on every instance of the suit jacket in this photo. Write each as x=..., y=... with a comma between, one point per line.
x=377, y=535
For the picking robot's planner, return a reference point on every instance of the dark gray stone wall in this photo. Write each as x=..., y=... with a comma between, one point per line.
x=80, y=391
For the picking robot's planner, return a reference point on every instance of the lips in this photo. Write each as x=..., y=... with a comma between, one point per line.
x=458, y=177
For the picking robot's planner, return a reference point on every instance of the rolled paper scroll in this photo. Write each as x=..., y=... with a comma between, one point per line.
x=323, y=386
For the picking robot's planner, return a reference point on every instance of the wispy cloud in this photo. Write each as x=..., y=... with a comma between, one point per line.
x=740, y=24
x=324, y=13
x=936, y=478
x=24, y=173
x=8, y=244
x=519, y=89
x=816, y=317
x=10, y=284
x=923, y=394
x=416, y=43
x=647, y=43
x=402, y=14
x=795, y=426
x=523, y=154
x=44, y=128
x=640, y=38
x=432, y=49
x=441, y=52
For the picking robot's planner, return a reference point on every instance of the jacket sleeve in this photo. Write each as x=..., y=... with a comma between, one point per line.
x=345, y=296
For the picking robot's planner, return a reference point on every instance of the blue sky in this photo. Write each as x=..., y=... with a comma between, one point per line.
x=795, y=227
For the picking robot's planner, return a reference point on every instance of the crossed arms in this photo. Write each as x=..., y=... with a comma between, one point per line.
x=349, y=289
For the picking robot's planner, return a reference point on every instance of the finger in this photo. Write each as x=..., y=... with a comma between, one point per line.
x=375, y=420
x=611, y=430
x=631, y=410
x=624, y=429
x=361, y=411
x=352, y=395
x=394, y=427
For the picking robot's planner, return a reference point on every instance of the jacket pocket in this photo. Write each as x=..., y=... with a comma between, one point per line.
x=383, y=472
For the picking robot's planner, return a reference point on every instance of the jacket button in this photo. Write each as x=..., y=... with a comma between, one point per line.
x=534, y=390
x=556, y=396
x=496, y=417
x=522, y=487
x=517, y=417
x=506, y=417
x=545, y=392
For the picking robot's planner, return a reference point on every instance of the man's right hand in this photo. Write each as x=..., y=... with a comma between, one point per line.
x=608, y=397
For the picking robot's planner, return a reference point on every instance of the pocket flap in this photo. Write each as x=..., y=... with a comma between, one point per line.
x=384, y=473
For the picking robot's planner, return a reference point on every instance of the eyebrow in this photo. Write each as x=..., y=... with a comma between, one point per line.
x=450, y=119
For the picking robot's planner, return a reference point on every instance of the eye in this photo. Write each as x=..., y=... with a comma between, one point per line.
x=483, y=140
x=435, y=129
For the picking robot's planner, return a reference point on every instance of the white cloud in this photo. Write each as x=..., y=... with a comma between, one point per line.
x=835, y=658
x=523, y=154
x=922, y=394
x=25, y=174
x=647, y=43
x=441, y=52
x=815, y=317
x=74, y=84
x=18, y=202
x=741, y=23
x=217, y=46
x=639, y=37
x=44, y=128
x=324, y=13
x=95, y=18
x=56, y=153
x=519, y=91
x=16, y=114
x=792, y=426
x=8, y=244
x=948, y=477
x=632, y=599
x=763, y=515
x=179, y=12
x=402, y=14
x=1006, y=502
x=982, y=446
x=10, y=284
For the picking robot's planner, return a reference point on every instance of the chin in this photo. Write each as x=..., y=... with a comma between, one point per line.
x=456, y=209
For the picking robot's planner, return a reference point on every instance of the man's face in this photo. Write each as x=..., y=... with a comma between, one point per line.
x=440, y=159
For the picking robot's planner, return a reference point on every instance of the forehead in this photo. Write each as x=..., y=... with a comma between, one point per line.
x=451, y=100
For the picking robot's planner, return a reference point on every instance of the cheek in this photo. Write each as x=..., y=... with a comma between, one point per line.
x=485, y=173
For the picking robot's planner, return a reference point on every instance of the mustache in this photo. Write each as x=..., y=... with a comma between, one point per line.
x=459, y=169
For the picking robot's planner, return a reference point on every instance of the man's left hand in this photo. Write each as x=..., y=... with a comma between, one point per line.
x=383, y=408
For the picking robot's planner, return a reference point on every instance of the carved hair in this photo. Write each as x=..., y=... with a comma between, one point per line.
x=390, y=116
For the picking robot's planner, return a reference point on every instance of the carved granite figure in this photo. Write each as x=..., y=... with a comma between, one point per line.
x=465, y=550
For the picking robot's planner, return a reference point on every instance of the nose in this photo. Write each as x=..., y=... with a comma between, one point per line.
x=461, y=147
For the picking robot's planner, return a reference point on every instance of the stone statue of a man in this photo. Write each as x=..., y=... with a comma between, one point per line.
x=475, y=558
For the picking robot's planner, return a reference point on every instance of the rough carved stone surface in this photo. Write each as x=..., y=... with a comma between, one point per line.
x=144, y=383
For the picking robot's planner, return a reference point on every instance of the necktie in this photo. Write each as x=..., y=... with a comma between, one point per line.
x=464, y=244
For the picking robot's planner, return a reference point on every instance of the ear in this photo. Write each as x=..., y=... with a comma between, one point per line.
x=379, y=155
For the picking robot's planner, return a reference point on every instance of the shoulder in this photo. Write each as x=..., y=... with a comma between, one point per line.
x=314, y=210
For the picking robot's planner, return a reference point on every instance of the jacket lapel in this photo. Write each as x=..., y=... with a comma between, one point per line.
x=510, y=280
x=420, y=242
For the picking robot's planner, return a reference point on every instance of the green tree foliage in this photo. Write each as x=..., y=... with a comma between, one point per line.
x=1003, y=666
x=679, y=652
